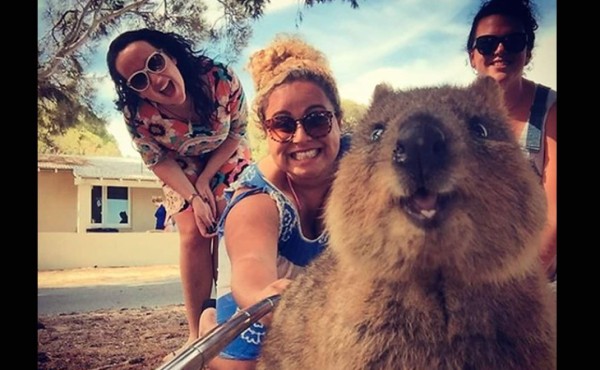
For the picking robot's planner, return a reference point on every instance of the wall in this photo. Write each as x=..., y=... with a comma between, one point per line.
x=73, y=250
x=58, y=194
x=57, y=201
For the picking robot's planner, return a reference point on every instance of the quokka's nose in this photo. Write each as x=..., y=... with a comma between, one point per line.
x=421, y=148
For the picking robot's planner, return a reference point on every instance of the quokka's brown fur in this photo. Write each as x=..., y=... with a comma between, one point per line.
x=434, y=220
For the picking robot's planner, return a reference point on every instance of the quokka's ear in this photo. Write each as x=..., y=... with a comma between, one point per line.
x=381, y=90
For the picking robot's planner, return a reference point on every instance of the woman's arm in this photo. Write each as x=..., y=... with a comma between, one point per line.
x=548, y=251
x=251, y=234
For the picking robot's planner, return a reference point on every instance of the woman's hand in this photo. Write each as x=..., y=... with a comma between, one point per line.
x=204, y=217
x=276, y=287
x=202, y=186
x=205, y=210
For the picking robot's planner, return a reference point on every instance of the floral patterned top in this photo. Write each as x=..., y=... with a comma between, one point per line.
x=154, y=136
x=189, y=143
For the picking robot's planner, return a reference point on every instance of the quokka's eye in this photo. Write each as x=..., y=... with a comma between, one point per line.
x=377, y=132
x=477, y=127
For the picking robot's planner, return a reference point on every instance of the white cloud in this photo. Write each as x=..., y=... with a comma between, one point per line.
x=417, y=73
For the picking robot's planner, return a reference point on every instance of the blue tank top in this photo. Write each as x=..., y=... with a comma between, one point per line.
x=532, y=139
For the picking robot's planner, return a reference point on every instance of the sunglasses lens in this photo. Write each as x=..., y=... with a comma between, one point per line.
x=283, y=127
x=486, y=45
x=139, y=81
x=156, y=63
x=317, y=124
x=515, y=43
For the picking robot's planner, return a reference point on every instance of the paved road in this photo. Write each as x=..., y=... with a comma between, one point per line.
x=53, y=301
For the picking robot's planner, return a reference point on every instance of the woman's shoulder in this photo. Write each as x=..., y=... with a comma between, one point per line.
x=253, y=181
x=545, y=93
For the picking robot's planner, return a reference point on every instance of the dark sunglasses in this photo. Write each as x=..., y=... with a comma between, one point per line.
x=513, y=43
x=156, y=63
x=316, y=124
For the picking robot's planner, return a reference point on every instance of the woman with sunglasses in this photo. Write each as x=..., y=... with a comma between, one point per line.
x=500, y=45
x=187, y=117
x=272, y=226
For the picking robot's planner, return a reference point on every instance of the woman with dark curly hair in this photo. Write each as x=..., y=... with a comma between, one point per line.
x=187, y=117
x=500, y=45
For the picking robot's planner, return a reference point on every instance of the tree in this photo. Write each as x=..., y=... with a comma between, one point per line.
x=88, y=137
x=353, y=114
x=71, y=30
x=256, y=8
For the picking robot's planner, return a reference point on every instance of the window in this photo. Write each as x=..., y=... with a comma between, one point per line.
x=110, y=206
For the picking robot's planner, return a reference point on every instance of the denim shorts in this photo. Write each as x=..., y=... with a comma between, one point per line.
x=245, y=346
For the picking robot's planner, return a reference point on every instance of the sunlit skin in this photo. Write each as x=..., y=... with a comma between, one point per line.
x=507, y=68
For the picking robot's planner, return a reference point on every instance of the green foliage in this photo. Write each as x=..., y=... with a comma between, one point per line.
x=81, y=141
x=258, y=142
x=255, y=8
x=86, y=135
x=353, y=113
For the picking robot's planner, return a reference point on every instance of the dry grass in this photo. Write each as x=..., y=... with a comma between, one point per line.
x=109, y=339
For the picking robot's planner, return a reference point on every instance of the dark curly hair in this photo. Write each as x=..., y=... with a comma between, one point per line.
x=519, y=10
x=191, y=65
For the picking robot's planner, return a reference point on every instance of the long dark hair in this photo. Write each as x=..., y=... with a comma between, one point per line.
x=190, y=63
x=520, y=10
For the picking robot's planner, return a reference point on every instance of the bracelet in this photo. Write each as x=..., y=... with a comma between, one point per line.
x=191, y=198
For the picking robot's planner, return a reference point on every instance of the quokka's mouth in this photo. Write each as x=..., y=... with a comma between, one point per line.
x=426, y=208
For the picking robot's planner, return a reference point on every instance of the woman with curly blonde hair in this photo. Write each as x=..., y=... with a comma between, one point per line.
x=272, y=226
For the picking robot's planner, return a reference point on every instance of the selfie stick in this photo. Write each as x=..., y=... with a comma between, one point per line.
x=199, y=353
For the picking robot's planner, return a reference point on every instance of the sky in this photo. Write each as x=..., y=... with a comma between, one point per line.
x=405, y=43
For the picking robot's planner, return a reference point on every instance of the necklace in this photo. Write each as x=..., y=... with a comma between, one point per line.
x=294, y=193
x=163, y=108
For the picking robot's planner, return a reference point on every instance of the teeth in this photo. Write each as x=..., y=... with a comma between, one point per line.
x=428, y=213
x=305, y=155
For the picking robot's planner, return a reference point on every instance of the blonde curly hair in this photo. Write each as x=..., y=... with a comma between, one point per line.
x=289, y=58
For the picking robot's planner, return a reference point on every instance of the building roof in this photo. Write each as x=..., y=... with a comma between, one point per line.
x=98, y=167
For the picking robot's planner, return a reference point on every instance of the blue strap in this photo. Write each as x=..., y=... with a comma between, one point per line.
x=536, y=119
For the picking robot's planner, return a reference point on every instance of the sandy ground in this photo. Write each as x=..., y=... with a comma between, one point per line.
x=105, y=276
x=109, y=339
